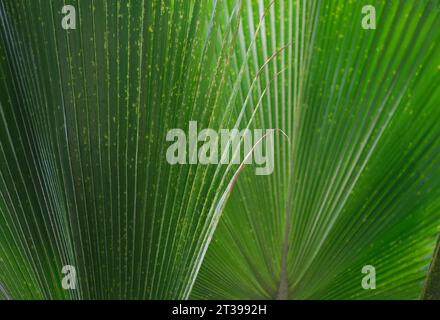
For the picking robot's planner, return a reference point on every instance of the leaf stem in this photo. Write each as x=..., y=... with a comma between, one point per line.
x=431, y=290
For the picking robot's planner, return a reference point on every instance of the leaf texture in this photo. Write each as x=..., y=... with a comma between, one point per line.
x=84, y=179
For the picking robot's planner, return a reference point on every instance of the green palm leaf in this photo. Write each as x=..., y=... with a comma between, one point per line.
x=84, y=179
x=363, y=189
x=85, y=113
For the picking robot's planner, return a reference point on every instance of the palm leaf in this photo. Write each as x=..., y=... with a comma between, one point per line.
x=84, y=179
x=85, y=113
x=361, y=109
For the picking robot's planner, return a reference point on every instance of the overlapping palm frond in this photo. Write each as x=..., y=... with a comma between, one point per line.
x=84, y=179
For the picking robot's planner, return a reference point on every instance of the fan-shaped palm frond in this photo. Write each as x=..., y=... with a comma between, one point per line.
x=84, y=178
